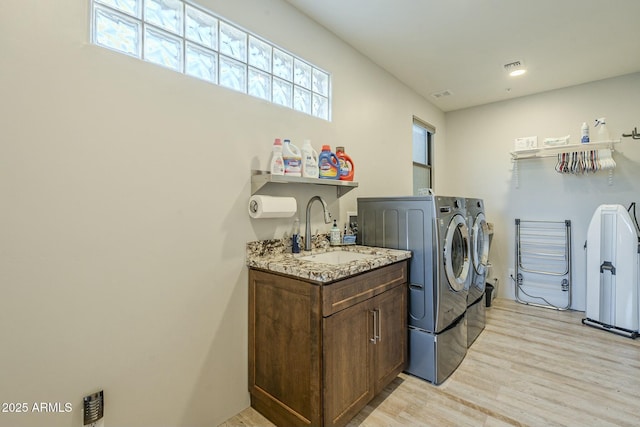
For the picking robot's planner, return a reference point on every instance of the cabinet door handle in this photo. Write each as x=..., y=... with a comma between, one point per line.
x=379, y=329
x=375, y=326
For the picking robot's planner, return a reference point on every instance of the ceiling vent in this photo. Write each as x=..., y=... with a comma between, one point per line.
x=442, y=94
x=515, y=68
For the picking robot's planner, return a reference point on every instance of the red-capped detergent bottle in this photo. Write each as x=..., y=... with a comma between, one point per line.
x=328, y=163
x=347, y=167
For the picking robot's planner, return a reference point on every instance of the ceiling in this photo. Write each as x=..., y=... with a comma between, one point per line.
x=461, y=46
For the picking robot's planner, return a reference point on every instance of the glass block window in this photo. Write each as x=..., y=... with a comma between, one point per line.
x=182, y=36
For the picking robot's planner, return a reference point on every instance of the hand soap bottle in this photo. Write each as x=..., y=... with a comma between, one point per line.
x=334, y=236
x=295, y=237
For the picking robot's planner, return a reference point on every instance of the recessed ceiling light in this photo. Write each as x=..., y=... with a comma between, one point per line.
x=515, y=68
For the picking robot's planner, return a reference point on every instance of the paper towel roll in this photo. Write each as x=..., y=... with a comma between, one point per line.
x=272, y=207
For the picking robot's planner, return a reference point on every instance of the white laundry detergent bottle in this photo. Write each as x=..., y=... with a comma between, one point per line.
x=602, y=131
x=277, y=162
x=309, y=160
x=292, y=159
x=585, y=133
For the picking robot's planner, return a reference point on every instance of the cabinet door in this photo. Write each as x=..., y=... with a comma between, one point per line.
x=347, y=348
x=390, y=353
x=284, y=349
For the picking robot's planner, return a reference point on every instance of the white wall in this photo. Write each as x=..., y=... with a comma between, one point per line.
x=123, y=222
x=479, y=141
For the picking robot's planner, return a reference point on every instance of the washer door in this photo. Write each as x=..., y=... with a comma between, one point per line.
x=456, y=253
x=480, y=252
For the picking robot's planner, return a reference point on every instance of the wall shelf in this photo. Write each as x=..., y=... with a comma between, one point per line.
x=550, y=151
x=553, y=151
x=261, y=178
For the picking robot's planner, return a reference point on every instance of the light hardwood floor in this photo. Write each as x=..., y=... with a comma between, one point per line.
x=529, y=367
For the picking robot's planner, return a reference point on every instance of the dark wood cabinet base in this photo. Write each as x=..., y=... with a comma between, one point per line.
x=318, y=353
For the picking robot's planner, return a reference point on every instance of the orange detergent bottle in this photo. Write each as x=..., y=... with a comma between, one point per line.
x=347, y=167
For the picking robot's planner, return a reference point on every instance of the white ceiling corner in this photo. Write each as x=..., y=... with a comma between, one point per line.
x=461, y=46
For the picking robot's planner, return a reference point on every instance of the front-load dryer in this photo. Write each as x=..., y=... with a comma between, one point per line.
x=479, y=237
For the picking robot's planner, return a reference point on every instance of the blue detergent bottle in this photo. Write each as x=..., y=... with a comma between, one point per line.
x=328, y=163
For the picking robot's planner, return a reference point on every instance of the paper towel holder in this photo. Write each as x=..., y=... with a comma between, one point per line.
x=253, y=206
x=263, y=206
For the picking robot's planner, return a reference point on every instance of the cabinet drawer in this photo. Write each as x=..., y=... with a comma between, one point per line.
x=345, y=293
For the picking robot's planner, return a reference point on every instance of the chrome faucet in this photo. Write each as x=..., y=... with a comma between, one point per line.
x=307, y=229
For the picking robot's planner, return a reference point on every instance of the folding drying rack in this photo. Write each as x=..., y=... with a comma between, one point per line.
x=543, y=263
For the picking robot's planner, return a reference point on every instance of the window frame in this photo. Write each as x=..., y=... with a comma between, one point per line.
x=310, y=86
x=427, y=166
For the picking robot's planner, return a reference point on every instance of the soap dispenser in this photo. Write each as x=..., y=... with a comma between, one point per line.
x=295, y=237
x=334, y=236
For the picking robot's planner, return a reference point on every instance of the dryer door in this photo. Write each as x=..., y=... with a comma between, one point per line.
x=456, y=253
x=480, y=239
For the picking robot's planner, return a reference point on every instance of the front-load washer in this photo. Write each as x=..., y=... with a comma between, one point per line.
x=454, y=263
x=479, y=236
x=435, y=230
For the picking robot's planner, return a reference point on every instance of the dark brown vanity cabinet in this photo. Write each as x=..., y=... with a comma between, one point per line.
x=318, y=353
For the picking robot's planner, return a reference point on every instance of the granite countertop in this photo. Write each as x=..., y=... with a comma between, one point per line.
x=275, y=256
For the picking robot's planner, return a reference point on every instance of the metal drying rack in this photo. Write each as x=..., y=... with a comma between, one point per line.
x=543, y=263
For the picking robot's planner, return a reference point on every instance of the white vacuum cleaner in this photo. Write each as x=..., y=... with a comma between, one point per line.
x=613, y=264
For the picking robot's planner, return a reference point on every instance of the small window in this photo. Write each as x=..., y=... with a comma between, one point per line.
x=189, y=39
x=422, y=157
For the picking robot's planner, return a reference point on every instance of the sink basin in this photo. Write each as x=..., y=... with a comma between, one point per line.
x=337, y=257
